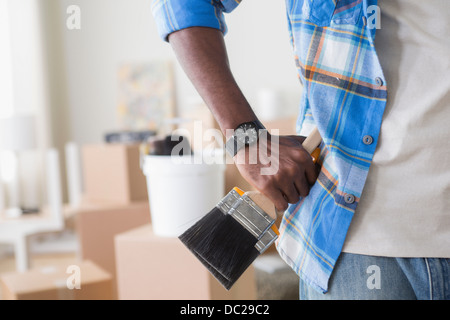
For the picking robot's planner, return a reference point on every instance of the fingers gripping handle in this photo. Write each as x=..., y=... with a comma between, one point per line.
x=310, y=144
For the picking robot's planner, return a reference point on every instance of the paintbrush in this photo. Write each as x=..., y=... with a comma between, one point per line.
x=237, y=230
x=233, y=234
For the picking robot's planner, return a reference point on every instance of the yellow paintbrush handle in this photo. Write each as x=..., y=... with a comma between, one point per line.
x=312, y=141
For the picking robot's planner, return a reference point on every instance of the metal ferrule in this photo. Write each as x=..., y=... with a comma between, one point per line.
x=255, y=220
x=251, y=216
x=267, y=239
x=228, y=201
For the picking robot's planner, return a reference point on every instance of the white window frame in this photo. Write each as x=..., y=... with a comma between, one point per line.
x=6, y=74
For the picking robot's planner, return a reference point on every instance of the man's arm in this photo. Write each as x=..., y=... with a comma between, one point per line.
x=203, y=56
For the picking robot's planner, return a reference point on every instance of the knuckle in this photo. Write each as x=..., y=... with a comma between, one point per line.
x=289, y=169
x=293, y=198
x=282, y=205
x=293, y=170
x=302, y=156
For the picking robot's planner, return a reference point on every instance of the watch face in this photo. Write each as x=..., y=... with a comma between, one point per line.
x=246, y=134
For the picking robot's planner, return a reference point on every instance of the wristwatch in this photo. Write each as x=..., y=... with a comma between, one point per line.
x=245, y=134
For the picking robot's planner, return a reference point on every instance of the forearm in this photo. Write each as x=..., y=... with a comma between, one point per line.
x=202, y=54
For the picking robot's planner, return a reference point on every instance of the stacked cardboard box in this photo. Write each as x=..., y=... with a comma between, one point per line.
x=81, y=281
x=158, y=268
x=115, y=200
x=112, y=173
x=97, y=224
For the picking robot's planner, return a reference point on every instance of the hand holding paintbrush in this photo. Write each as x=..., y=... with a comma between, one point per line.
x=241, y=227
x=280, y=167
x=310, y=145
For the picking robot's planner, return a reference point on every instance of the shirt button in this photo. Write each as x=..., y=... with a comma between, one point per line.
x=367, y=140
x=379, y=81
x=349, y=198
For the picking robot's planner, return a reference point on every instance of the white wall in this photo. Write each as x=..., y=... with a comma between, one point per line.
x=260, y=53
x=116, y=31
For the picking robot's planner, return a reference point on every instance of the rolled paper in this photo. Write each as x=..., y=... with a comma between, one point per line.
x=54, y=195
x=73, y=168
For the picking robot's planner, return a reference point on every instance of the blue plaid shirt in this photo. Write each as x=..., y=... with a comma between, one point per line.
x=344, y=95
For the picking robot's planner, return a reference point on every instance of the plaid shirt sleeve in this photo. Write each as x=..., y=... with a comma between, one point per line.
x=174, y=15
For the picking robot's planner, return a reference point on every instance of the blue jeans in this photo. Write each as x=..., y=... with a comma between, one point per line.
x=361, y=277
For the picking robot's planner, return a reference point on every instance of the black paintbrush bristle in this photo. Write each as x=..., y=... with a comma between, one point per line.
x=223, y=245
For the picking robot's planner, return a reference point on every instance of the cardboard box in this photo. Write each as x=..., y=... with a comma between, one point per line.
x=97, y=224
x=157, y=268
x=82, y=281
x=112, y=172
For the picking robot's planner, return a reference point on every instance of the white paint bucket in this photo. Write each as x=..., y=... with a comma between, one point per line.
x=182, y=189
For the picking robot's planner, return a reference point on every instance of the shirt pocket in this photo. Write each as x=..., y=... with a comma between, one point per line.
x=323, y=13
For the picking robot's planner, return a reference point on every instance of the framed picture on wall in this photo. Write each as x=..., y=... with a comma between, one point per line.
x=146, y=95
